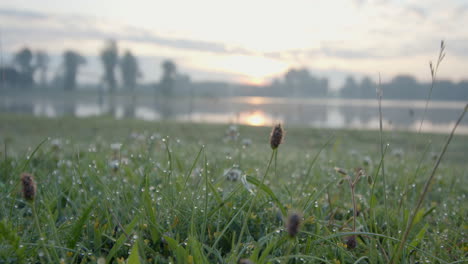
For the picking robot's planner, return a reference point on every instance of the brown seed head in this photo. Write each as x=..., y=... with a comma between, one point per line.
x=293, y=224
x=245, y=261
x=351, y=243
x=276, y=136
x=341, y=171
x=29, y=186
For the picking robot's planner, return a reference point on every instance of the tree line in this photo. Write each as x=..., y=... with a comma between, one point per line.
x=296, y=82
x=26, y=63
x=405, y=87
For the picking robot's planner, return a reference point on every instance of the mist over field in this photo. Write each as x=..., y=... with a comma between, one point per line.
x=233, y=131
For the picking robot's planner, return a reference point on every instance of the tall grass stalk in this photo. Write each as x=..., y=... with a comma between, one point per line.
x=252, y=203
x=380, y=94
x=434, y=70
x=39, y=231
x=409, y=225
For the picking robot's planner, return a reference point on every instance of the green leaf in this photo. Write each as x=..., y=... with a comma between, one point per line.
x=268, y=191
x=196, y=250
x=179, y=252
x=151, y=215
x=418, y=217
x=118, y=244
x=419, y=236
x=10, y=242
x=134, y=257
x=373, y=201
x=77, y=228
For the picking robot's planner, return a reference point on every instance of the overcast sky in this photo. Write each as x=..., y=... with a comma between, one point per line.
x=249, y=41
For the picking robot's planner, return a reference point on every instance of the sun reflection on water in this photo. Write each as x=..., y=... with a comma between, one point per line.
x=256, y=118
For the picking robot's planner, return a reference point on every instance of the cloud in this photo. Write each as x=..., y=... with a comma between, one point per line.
x=58, y=27
x=416, y=11
x=24, y=14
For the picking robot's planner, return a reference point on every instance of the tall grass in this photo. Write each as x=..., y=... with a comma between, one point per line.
x=88, y=211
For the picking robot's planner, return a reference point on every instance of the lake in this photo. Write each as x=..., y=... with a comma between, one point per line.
x=256, y=111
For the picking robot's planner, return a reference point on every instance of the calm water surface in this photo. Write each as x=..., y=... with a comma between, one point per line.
x=257, y=111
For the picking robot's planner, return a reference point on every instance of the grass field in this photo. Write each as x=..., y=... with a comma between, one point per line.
x=128, y=191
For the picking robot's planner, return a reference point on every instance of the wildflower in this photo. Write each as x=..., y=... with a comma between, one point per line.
x=116, y=146
x=398, y=153
x=56, y=144
x=114, y=165
x=246, y=142
x=246, y=184
x=232, y=174
x=29, y=186
x=232, y=133
x=293, y=224
x=276, y=136
x=367, y=161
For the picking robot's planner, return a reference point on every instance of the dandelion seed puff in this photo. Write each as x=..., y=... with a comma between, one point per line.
x=56, y=143
x=114, y=165
x=232, y=133
x=29, y=186
x=276, y=136
x=115, y=146
x=232, y=174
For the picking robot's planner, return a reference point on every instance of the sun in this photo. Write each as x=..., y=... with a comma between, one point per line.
x=256, y=118
x=254, y=81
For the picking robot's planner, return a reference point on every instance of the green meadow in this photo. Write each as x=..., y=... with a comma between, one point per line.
x=129, y=191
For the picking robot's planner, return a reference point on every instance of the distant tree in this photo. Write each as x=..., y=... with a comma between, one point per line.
x=10, y=77
x=71, y=60
x=301, y=82
x=130, y=70
x=110, y=59
x=350, y=88
x=169, y=77
x=42, y=62
x=367, y=89
x=404, y=86
x=23, y=60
